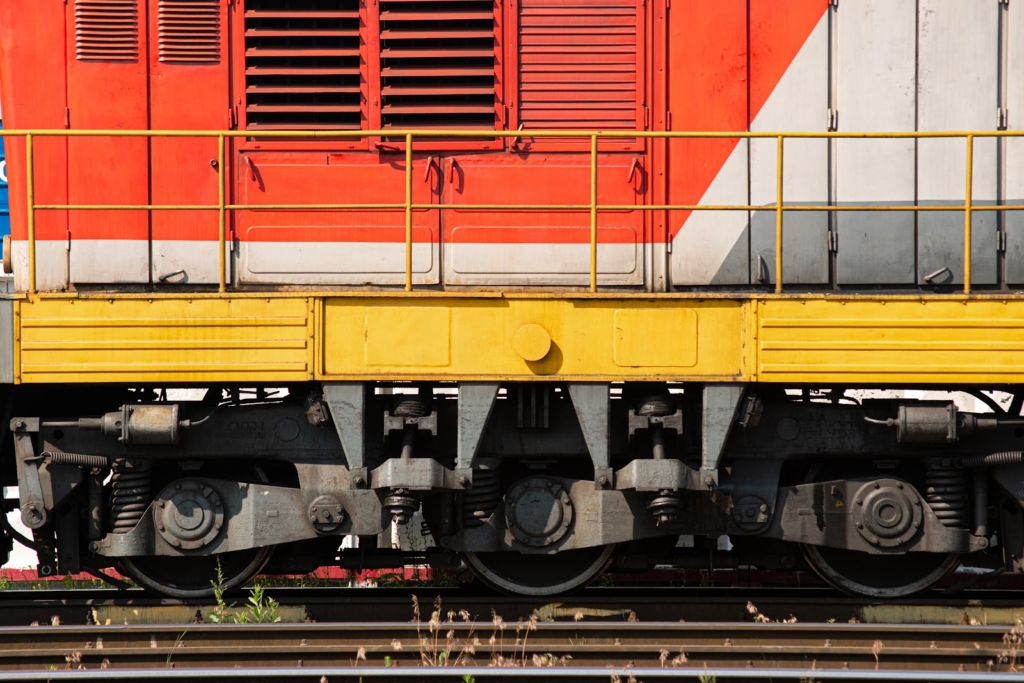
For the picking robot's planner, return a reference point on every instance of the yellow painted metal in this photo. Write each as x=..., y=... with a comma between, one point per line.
x=174, y=339
x=968, y=200
x=778, y=215
x=30, y=191
x=593, y=213
x=600, y=338
x=222, y=207
x=408, y=212
x=222, y=230
x=285, y=337
x=891, y=340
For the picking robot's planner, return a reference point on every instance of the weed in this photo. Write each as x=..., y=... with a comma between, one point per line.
x=707, y=676
x=876, y=650
x=261, y=609
x=434, y=652
x=177, y=644
x=467, y=678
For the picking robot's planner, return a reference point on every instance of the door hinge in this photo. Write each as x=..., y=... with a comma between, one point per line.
x=1002, y=118
x=67, y=118
x=832, y=119
x=1001, y=241
x=833, y=241
x=668, y=4
x=668, y=246
x=1004, y=2
x=833, y=3
x=232, y=118
x=668, y=120
x=647, y=118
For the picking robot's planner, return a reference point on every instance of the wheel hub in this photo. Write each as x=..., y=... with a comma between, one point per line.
x=189, y=514
x=539, y=512
x=887, y=513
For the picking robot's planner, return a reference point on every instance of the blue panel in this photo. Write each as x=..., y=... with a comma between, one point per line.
x=5, y=207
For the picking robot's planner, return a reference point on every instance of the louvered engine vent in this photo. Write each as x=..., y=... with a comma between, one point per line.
x=437, y=64
x=302, y=64
x=189, y=31
x=578, y=64
x=107, y=30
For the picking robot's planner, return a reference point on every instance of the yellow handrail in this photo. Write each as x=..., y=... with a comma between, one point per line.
x=409, y=206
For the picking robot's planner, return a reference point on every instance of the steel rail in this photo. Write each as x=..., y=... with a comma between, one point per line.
x=757, y=647
x=594, y=207
x=484, y=674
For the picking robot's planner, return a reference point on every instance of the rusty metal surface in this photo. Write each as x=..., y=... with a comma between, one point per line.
x=483, y=640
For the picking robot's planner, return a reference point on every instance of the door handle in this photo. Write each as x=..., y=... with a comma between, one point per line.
x=426, y=173
x=632, y=169
x=451, y=171
x=252, y=168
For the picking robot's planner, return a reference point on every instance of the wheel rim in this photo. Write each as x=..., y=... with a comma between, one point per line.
x=188, y=578
x=879, y=576
x=540, y=575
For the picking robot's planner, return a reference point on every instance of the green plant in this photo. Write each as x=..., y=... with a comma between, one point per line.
x=467, y=678
x=260, y=610
x=177, y=644
x=707, y=676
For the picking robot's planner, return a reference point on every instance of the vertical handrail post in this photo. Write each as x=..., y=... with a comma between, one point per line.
x=593, y=213
x=778, y=216
x=222, y=232
x=408, y=212
x=968, y=208
x=31, y=207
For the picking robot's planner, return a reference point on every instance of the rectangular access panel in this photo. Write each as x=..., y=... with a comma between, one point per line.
x=797, y=99
x=548, y=247
x=334, y=246
x=107, y=89
x=188, y=89
x=875, y=91
x=708, y=53
x=35, y=96
x=958, y=78
x=1014, y=220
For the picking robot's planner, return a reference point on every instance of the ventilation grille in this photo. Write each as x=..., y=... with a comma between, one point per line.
x=189, y=31
x=107, y=30
x=578, y=64
x=438, y=64
x=302, y=65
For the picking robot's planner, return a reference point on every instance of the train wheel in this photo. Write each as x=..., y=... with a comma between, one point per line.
x=190, y=578
x=879, y=576
x=540, y=575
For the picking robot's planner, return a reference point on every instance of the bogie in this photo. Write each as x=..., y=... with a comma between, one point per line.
x=537, y=488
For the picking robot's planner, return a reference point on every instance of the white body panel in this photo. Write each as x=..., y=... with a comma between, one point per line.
x=109, y=261
x=958, y=61
x=530, y=264
x=188, y=262
x=1014, y=164
x=331, y=263
x=798, y=103
x=713, y=247
x=51, y=265
x=875, y=91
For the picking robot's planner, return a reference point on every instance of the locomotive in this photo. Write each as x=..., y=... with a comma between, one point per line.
x=571, y=278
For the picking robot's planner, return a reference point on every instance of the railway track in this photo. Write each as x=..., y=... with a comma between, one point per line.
x=647, y=604
x=560, y=649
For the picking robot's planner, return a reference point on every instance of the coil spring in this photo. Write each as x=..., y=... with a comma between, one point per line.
x=78, y=459
x=946, y=494
x=479, y=502
x=131, y=492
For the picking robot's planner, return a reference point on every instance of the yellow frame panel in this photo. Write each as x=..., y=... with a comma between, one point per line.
x=286, y=337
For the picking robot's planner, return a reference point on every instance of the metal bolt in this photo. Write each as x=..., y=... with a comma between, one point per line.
x=899, y=485
x=565, y=499
x=217, y=527
x=709, y=481
x=874, y=539
x=983, y=542
x=312, y=518
x=177, y=487
x=548, y=482
x=162, y=504
x=463, y=480
x=603, y=481
x=917, y=525
x=314, y=508
x=860, y=525
x=764, y=508
x=877, y=485
x=358, y=480
x=860, y=502
x=93, y=547
x=19, y=424
x=161, y=527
